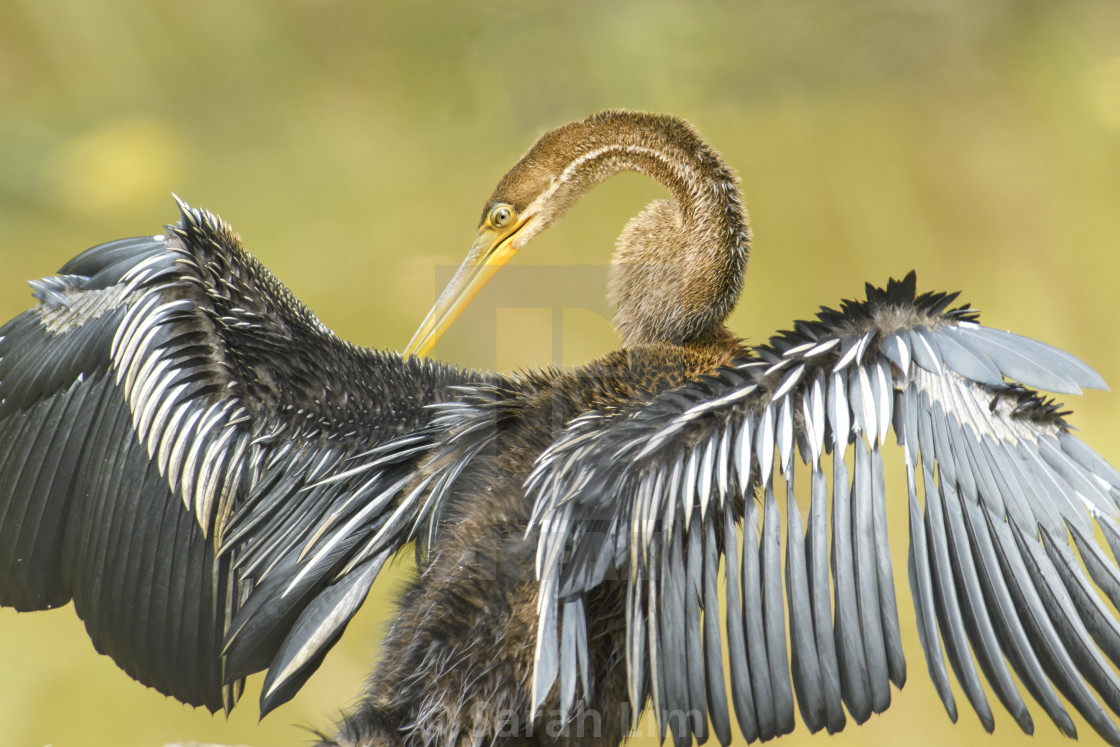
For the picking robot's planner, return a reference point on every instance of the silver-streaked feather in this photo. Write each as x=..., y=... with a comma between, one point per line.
x=158, y=356
x=977, y=445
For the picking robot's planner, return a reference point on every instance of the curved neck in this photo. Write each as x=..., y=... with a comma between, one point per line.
x=679, y=266
x=663, y=148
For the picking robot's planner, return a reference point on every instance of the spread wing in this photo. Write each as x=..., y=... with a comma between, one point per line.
x=1004, y=567
x=207, y=471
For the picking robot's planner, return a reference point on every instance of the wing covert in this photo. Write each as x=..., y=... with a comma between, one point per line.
x=1003, y=564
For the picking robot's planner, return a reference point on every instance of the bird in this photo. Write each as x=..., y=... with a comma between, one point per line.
x=216, y=480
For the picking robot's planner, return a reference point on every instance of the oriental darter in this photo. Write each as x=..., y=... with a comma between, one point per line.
x=215, y=479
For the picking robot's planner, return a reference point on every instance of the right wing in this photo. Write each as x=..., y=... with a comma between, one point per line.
x=209, y=473
x=1005, y=562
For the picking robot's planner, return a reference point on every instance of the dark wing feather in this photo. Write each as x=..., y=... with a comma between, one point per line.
x=1004, y=570
x=189, y=454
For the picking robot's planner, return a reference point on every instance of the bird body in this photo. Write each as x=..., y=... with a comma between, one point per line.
x=435, y=651
x=216, y=480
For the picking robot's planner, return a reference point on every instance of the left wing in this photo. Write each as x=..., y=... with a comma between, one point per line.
x=653, y=497
x=189, y=454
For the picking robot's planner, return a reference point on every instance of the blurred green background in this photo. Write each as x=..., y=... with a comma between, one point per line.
x=353, y=144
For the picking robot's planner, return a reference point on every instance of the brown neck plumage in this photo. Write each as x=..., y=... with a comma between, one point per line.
x=679, y=265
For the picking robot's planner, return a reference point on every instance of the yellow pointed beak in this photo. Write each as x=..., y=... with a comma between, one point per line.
x=490, y=251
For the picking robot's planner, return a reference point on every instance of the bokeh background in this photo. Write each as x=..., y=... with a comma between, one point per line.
x=352, y=144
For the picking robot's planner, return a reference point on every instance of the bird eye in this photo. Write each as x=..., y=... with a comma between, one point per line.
x=501, y=216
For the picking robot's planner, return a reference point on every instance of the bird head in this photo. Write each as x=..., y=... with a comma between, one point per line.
x=703, y=229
